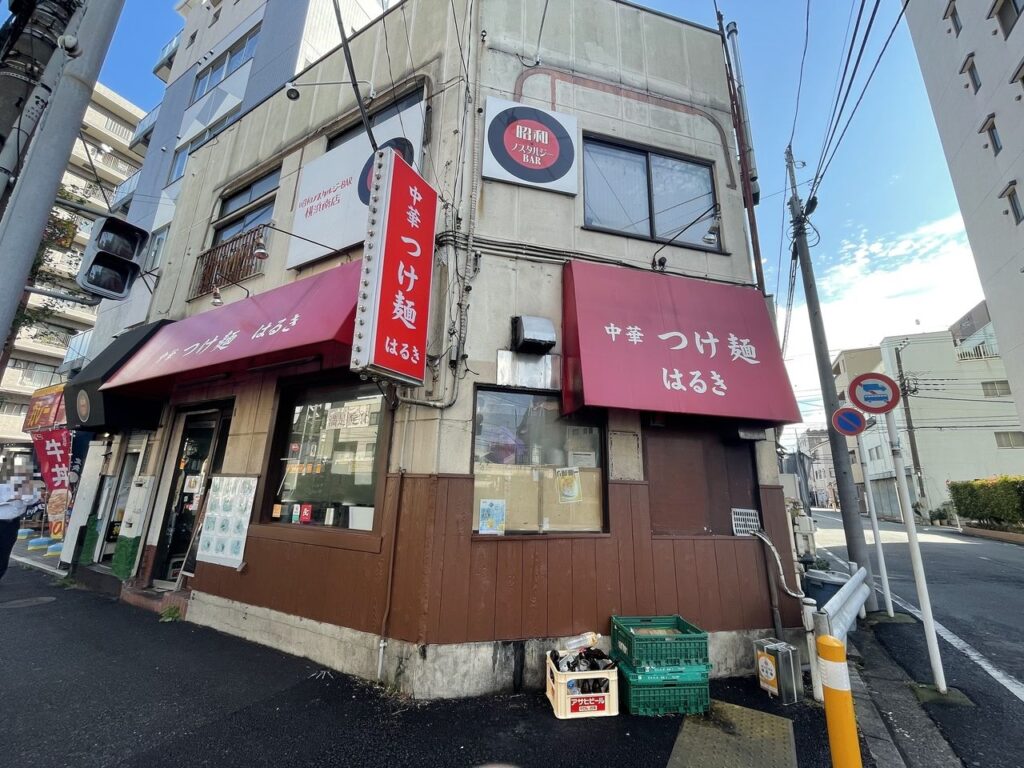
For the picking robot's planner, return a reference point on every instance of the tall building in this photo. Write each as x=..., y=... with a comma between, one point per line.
x=821, y=480
x=972, y=58
x=590, y=376
x=957, y=421
x=98, y=164
x=227, y=58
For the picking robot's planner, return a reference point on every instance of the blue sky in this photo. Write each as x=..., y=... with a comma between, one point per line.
x=893, y=257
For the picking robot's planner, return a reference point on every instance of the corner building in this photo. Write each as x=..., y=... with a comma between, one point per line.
x=589, y=422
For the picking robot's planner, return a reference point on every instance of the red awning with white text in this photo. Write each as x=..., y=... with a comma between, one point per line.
x=308, y=318
x=652, y=342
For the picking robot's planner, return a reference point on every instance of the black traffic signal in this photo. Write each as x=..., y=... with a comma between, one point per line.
x=111, y=261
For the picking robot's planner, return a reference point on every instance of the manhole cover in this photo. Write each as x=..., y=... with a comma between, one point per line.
x=28, y=602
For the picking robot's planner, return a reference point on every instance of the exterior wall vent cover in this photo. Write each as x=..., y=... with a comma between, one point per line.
x=745, y=521
x=532, y=335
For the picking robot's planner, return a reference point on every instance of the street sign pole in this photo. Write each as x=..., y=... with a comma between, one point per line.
x=915, y=554
x=879, y=554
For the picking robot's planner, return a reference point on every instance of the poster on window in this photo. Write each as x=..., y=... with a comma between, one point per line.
x=570, y=489
x=226, y=522
x=492, y=517
x=334, y=190
x=530, y=146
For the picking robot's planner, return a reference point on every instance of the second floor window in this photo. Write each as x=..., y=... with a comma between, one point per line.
x=998, y=388
x=226, y=64
x=1007, y=12
x=247, y=207
x=650, y=195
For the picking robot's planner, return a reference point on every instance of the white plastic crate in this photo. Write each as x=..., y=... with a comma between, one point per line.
x=582, y=704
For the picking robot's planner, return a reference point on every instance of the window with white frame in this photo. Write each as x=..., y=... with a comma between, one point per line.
x=998, y=388
x=180, y=159
x=1010, y=439
x=155, y=249
x=647, y=194
x=226, y=64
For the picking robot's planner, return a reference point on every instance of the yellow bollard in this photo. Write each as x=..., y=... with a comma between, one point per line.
x=842, y=723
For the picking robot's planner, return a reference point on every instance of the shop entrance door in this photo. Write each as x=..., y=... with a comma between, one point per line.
x=200, y=453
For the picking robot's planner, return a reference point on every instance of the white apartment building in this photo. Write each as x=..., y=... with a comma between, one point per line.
x=821, y=481
x=40, y=348
x=972, y=58
x=850, y=363
x=962, y=423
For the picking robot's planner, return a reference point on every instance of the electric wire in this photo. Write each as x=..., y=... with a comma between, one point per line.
x=92, y=165
x=803, y=58
x=860, y=98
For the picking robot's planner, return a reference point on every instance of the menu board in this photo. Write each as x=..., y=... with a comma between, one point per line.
x=226, y=522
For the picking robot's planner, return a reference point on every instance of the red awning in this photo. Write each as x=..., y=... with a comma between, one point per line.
x=314, y=316
x=651, y=342
x=45, y=409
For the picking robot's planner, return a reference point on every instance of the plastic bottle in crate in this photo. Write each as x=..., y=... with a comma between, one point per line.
x=586, y=640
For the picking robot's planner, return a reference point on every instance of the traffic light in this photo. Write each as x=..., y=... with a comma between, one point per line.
x=111, y=261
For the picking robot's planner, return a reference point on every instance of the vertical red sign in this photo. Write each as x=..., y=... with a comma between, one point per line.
x=398, y=263
x=53, y=451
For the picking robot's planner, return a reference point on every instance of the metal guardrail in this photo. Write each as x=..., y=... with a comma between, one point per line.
x=839, y=615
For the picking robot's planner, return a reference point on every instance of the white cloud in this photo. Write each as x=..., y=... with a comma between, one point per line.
x=883, y=286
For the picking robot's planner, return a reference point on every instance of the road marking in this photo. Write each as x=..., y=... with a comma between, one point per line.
x=1009, y=682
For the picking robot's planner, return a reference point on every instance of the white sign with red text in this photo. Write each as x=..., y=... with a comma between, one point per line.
x=398, y=258
x=530, y=146
x=334, y=190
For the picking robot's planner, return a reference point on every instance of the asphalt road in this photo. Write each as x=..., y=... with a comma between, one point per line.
x=977, y=595
x=89, y=682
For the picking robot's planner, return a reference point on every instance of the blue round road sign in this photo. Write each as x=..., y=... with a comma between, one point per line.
x=849, y=421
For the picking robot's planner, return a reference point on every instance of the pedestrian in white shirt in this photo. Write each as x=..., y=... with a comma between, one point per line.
x=13, y=502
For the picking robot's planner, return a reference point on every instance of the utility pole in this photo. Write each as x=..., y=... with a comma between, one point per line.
x=856, y=545
x=36, y=187
x=915, y=460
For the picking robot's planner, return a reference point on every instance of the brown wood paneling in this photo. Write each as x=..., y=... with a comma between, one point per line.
x=408, y=591
x=676, y=473
x=729, y=584
x=665, y=599
x=483, y=573
x=508, y=604
x=621, y=527
x=716, y=478
x=643, y=565
x=777, y=526
x=584, y=586
x=742, y=475
x=688, y=596
x=434, y=566
x=707, y=584
x=560, y=574
x=535, y=588
x=454, y=620
x=753, y=583
x=607, y=570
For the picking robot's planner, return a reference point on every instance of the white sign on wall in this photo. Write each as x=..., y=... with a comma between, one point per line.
x=334, y=190
x=530, y=146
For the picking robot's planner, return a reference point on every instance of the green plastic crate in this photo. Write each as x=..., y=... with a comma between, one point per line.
x=639, y=651
x=664, y=693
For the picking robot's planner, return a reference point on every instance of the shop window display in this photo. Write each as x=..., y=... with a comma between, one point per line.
x=535, y=470
x=327, y=451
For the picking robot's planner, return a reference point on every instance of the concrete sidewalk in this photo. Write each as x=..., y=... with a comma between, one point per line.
x=90, y=681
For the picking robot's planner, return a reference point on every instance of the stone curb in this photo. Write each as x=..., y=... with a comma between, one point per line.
x=869, y=720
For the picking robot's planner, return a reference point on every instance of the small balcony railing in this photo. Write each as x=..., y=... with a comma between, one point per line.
x=980, y=352
x=144, y=126
x=125, y=189
x=227, y=262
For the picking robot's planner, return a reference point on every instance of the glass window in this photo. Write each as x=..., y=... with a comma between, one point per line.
x=225, y=64
x=972, y=73
x=178, y=165
x=993, y=137
x=1010, y=439
x=615, y=189
x=954, y=17
x=1015, y=205
x=681, y=192
x=326, y=457
x=1008, y=13
x=535, y=470
x=154, y=253
x=623, y=186
x=252, y=192
x=999, y=388
x=253, y=218
x=375, y=119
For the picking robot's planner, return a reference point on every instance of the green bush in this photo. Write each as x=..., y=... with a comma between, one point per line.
x=994, y=500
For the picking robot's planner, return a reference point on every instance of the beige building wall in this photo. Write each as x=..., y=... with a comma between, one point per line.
x=647, y=106
x=849, y=364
